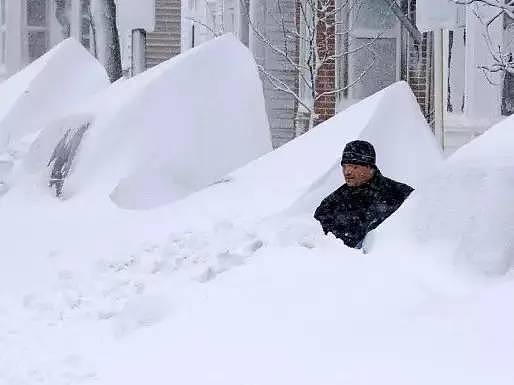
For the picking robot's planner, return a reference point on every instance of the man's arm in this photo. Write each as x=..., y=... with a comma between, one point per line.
x=324, y=214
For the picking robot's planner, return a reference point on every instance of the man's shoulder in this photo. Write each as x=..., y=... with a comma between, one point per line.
x=337, y=194
x=392, y=186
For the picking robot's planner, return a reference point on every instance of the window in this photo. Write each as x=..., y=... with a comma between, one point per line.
x=3, y=33
x=373, y=39
x=381, y=61
x=36, y=28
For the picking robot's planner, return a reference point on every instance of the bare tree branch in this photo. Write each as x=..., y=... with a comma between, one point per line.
x=317, y=25
x=204, y=25
x=407, y=23
x=502, y=60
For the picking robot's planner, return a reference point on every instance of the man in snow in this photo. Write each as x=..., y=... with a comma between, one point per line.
x=364, y=201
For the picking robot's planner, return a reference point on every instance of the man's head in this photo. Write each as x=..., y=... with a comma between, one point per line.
x=358, y=162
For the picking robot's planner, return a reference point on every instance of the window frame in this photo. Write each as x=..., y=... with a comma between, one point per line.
x=27, y=29
x=358, y=32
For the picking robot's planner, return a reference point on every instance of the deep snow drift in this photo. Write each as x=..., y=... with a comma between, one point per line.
x=296, y=176
x=47, y=88
x=464, y=213
x=405, y=146
x=168, y=132
x=237, y=284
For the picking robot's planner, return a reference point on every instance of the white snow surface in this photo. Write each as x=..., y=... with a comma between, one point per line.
x=168, y=132
x=237, y=284
x=405, y=146
x=463, y=213
x=38, y=94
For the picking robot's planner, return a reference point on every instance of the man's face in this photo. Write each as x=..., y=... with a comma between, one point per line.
x=356, y=175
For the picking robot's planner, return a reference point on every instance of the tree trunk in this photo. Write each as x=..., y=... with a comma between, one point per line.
x=61, y=14
x=107, y=41
x=411, y=27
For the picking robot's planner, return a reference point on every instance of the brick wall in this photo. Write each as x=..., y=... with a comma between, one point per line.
x=325, y=107
x=416, y=67
x=420, y=68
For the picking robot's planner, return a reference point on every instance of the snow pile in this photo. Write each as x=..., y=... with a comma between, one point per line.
x=170, y=131
x=216, y=289
x=464, y=213
x=405, y=146
x=288, y=314
x=299, y=174
x=47, y=88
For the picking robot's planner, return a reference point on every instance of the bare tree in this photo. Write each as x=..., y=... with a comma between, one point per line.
x=411, y=27
x=319, y=23
x=315, y=30
x=501, y=63
x=107, y=41
x=502, y=60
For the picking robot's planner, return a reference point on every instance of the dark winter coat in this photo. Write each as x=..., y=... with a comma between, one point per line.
x=351, y=212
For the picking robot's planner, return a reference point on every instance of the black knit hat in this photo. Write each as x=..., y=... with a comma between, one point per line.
x=359, y=152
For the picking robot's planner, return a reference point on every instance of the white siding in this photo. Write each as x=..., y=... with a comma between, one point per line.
x=280, y=106
x=164, y=42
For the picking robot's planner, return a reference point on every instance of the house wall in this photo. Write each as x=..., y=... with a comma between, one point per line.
x=281, y=106
x=162, y=44
x=16, y=35
x=165, y=41
x=200, y=22
x=325, y=106
x=369, y=50
x=203, y=20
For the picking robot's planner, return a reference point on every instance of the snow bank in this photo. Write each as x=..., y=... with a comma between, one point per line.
x=47, y=88
x=464, y=213
x=406, y=148
x=203, y=291
x=172, y=130
x=307, y=169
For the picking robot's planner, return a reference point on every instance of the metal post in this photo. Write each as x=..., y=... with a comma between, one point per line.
x=138, y=64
